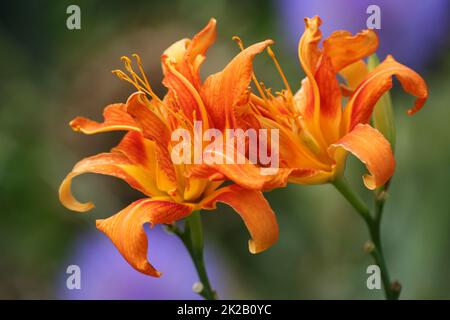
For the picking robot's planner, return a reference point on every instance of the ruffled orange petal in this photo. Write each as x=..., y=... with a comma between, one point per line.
x=330, y=100
x=137, y=149
x=343, y=48
x=372, y=148
x=354, y=74
x=194, y=189
x=378, y=81
x=308, y=50
x=197, y=48
x=295, y=151
x=254, y=210
x=228, y=89
x=242, y=172
x=310, y=57
x=246, y=175
x=115, y=118
x=310, y=176
x=126, y=231
x=142, y=154
x=188, y=55
x=177, y=54
x=154, y=129
x=184, y=93
x=113, y=164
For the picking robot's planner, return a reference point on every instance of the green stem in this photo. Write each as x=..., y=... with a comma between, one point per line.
x=392, y=290
x=192, y=238
x=341, y=184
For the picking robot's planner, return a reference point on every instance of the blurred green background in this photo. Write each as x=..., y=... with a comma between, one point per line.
x=50, y=74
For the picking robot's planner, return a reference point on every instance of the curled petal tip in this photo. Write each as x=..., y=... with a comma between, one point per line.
x=314, y=22
x=79, y=207
x=126, y=231
x=253, y=247
x=76, y=124
x=133, y=96
x=269, y=42
x=103, y=225
x=68, y=200
x=98, y=223
x=369, y=182
x=254, y=210
x=371, y=148
x=418, y=105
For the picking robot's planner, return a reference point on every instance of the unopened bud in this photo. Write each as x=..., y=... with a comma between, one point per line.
x=383, y=114
x=396, y=286
x=197, y=287
x=369, y=247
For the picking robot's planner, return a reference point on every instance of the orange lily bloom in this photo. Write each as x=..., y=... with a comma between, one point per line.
x=315, y=131
x=143, y=157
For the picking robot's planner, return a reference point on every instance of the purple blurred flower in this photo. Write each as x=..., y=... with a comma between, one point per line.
x=413, y=31
x=106, y=275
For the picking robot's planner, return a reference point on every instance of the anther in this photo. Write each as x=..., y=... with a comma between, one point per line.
x=239, y=42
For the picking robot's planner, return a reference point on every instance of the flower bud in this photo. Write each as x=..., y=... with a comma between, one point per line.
x=383, y=114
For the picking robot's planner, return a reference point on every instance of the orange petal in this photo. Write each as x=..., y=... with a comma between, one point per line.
x=254, y=209
x=188, y=55
x=194, y=189
x=310, y=57
x=330, y=100
x=154, y=129
x=354, y=74
x=197, y=48
x=343, y=48
x=308, y=51
x=184, y=93
x=228, y=89
x=113, y=164
x=295, y=152
x=310, y=176
x=202, y=41
x=245, y=174
x=137, y=149
x=176, y=53
x=378, y=81
x=142, y=155
x=115, y=118
x=126, y=231
x=372, y=148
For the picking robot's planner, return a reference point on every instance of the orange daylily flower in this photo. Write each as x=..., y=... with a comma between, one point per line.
x=143, y=157
x=315, y=131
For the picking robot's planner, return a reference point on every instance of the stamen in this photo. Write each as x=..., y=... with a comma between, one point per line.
x=145, y=82
x=281, y=94
x=255, y=108
x=280, y=71
x=239, y=42
x=123, y=76
x=266, y=100
x=142, y=85
x=255, y=81
x=127, y=63
x=141, y=69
